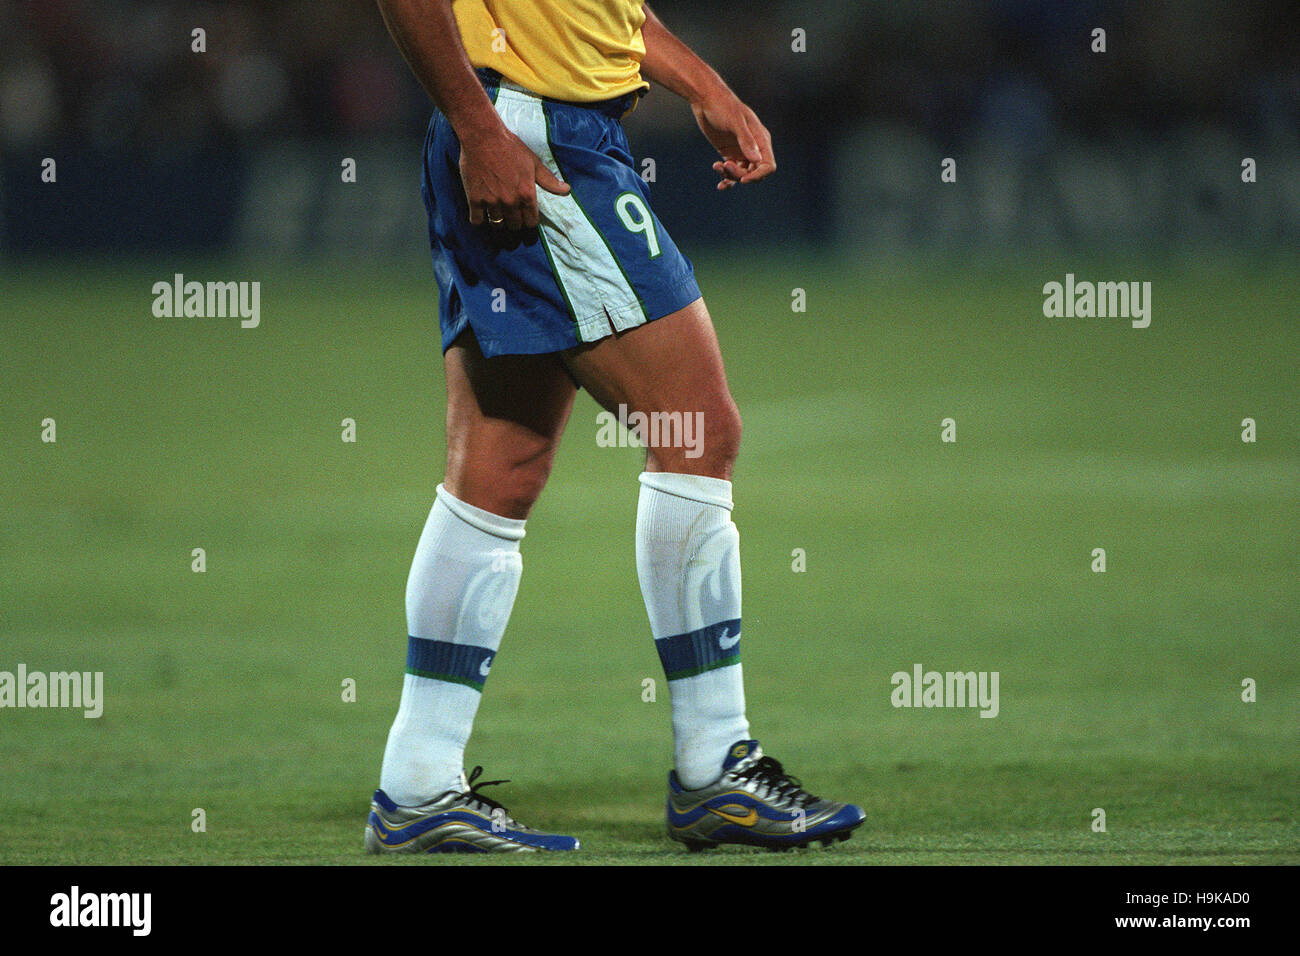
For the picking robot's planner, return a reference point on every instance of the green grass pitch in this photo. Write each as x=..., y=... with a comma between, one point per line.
x=1119, y=690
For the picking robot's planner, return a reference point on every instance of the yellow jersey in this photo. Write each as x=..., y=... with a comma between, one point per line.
x=576, y=50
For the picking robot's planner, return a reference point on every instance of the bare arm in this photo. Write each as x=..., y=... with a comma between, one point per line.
x=498, y=170
x=741, y=140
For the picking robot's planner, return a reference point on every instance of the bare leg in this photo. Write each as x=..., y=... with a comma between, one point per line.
x=505, y=416
x=670, y=365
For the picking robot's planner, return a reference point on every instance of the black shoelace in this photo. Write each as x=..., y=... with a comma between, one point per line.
x=474, y=794
x=772, y=775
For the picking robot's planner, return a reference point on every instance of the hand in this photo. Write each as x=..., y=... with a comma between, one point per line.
x=741, y=140
x=500, y=175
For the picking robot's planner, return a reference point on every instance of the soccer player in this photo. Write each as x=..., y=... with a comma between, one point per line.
x=555, y=274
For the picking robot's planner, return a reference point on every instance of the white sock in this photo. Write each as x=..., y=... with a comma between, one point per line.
x=462, y=585
x=688, y=561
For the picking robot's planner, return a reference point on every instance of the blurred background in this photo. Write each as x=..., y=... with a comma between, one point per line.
x=239, y=148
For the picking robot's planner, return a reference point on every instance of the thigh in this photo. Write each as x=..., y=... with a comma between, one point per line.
x=505, y=416
x=668, y=366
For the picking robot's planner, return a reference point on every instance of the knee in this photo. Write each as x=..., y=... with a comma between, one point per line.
x=505, y=480
x=722, y=434
x=520, y=485
x=710, y=442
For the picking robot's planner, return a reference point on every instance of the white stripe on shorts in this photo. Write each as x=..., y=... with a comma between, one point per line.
x=585, y=269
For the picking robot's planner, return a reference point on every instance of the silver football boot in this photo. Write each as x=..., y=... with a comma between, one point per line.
x=755, y=803
x=455, y=821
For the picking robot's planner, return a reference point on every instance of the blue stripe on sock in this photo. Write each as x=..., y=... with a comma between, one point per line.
x=466, y=664
x=686, y=655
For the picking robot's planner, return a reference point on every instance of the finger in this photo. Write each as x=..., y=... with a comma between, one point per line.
x=522, y=213
x=532, y=215
x=514, y=217
x=727, y=180
x=749, y=142
x=767, y=162
x=734, y=170
x=548, y=181
x=475, y=212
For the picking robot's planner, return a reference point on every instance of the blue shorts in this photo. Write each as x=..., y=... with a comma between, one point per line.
x=599, y=263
